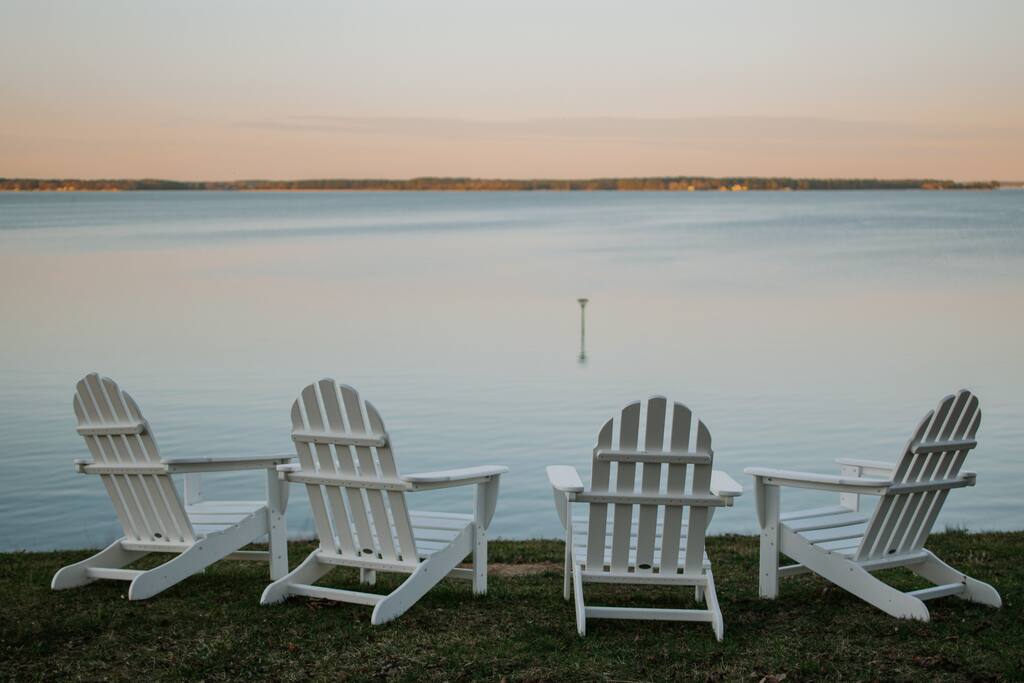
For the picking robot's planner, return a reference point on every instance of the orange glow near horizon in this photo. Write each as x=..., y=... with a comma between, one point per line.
x=315, y=90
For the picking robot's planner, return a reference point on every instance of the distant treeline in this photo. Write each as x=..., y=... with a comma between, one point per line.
x=659, y=184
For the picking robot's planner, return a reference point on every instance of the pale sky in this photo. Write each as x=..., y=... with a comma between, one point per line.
x=303, y=89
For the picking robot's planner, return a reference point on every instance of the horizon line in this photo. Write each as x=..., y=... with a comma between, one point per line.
x=463, y=178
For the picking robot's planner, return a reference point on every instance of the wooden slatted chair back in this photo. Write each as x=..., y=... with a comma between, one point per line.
x=356, y=496
x=118, y=436
x=924, y=475
x=673, y=475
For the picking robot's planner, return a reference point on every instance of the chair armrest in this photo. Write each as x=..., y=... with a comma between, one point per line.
x=724, y=486
x=870, y=467
x=565, y=484
x=458, y=477
x=565, y=478
x=823, y=482
x=487, y=478
x=217, y=464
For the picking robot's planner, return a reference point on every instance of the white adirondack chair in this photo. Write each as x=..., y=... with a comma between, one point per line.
x=844, y=545
x=359, y=508
x=152, y=514
x=659, y=547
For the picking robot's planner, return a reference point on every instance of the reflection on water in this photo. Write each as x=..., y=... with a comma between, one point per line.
x=799, y=327
x=582, y=358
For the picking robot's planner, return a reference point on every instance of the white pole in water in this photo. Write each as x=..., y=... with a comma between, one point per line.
x=583, y=330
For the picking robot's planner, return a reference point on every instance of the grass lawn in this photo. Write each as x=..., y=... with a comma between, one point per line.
x=210, y=626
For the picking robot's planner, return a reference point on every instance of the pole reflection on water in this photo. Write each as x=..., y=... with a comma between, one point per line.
x=583, y=331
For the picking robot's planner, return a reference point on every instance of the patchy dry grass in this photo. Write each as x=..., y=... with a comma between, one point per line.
x=210, y=627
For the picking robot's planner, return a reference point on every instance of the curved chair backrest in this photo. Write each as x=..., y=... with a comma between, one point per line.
x=341, y=441
x=924, y=475
x=657, y=495
x=120, y=440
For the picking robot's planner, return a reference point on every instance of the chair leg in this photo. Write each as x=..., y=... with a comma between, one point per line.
x=767, y=502
x=111, y=557
x=480, y=540
x=938, y=572
x=367, y=577
x=197, y=557
x=567, y=570
x=427, y=575
x=717, y=622
x=581, y=607
x=479, y=560
x=277, y=536
x=851, y=577
x=308, y=572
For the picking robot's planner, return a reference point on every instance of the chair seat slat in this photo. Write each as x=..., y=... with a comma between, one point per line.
x=794, y=515
x=827, y=521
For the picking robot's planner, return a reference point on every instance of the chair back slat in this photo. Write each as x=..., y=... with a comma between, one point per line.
x=675, y=485
x=144, y=450
x=948, y=468
x=625, y=481
x=600, y=475
x=364, y=457
x=650, y=482
x=396, y=499
x=340, y=458
x=325, y=503
x=628, y=547
x=698, y=519
x=115, y=432
x=331, y=425
x=934, y=454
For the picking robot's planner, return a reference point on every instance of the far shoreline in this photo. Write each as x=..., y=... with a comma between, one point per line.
x=461, y=184
x=449, y=191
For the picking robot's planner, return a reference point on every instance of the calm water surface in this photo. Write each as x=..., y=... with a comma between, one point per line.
x=799, y=326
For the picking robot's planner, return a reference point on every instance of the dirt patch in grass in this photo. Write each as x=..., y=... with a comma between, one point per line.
x=516, y=570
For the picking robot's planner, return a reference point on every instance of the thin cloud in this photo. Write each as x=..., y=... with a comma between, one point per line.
x=642, y=130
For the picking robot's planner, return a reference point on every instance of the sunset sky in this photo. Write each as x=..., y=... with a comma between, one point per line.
x=230, y=90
